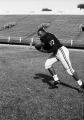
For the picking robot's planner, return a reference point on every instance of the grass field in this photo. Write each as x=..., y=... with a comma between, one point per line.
x=25, y=92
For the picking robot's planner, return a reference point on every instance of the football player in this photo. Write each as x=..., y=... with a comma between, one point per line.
x=51, y=44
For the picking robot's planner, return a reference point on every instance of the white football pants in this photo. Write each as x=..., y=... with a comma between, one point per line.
x=62, y=56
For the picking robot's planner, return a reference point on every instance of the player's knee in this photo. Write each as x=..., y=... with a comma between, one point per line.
x=70, y=71
x=48, y=64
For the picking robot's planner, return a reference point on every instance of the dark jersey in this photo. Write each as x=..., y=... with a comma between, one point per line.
x=50, y=43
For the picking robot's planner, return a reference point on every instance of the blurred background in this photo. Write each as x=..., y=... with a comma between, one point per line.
x=37, y=6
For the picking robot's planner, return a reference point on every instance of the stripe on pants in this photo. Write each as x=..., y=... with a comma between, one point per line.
x=65, y=58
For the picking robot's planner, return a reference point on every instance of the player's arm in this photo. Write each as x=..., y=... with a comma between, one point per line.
x=42, y=50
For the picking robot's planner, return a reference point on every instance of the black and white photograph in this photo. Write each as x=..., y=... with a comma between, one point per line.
x=41, y=59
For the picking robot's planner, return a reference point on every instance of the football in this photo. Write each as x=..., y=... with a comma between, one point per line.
x=38, y=46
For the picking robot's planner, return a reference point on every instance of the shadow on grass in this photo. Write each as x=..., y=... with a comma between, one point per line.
x=45, y=79
x=48, y=79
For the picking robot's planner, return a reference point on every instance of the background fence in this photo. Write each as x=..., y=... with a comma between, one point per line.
x=31, y=41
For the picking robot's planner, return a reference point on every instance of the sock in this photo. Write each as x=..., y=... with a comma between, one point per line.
x=79, y=82
x=55, y=77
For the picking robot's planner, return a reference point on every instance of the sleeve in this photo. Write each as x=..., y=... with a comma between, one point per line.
x=52, y=39
x=52, y=44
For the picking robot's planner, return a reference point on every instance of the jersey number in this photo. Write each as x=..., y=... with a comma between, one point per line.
x=51, y=42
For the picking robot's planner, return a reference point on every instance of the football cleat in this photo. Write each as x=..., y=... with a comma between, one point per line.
x=56, y=82
x=81, y=89
x=82, y=86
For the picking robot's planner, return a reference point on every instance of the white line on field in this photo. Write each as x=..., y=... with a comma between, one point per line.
x=33, y=48
x=77, y=50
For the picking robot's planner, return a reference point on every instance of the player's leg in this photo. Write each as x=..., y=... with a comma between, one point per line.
x=52, y=70
x=76, y=77
x=63, y=55
x=49, y=66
